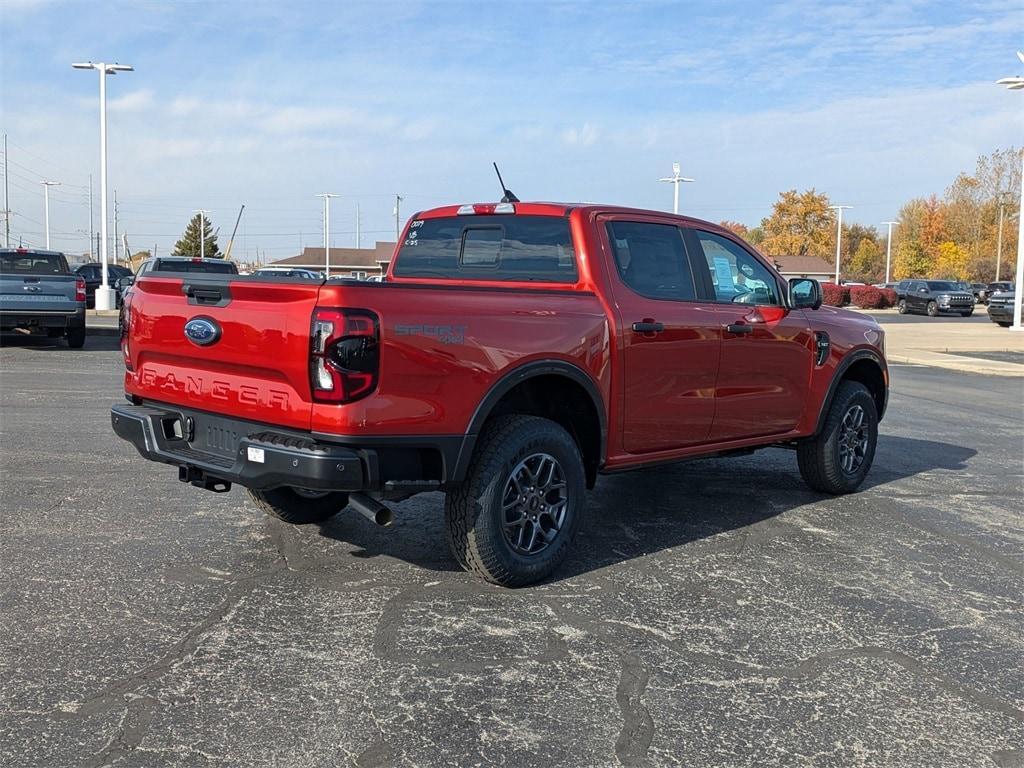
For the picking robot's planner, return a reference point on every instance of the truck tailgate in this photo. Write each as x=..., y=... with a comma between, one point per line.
x=38, y=293
x=256, y=367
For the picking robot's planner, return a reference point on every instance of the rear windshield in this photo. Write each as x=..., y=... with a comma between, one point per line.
x=200, y=265
x=33, y=264
x=489, y=247
x=941, y=285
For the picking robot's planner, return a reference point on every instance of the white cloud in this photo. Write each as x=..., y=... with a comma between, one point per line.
x=133, y=101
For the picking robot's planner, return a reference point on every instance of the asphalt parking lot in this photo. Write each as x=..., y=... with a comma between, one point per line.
x=712, y=614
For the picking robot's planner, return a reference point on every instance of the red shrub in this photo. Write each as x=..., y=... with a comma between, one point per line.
x=834, y=295
x=867, y=297
x=888, y=296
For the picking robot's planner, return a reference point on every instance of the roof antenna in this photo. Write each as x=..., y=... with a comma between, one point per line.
x=508, y=197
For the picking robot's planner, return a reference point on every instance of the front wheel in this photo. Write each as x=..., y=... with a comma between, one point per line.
x=513, y=518
x=901, y=306
x=1004, y=325
x=966, y=314
x=299, y=505
x=837, y=460
x=933, y=309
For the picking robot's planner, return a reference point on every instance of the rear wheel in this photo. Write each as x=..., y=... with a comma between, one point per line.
x=901, y=306
x=299, y=505
x=838, y=459
x=76, y=336
x=514, y=517
x=933, y=309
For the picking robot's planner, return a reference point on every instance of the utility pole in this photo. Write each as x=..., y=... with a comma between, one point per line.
x=888, y=248
x=839, y=233
x=357, y=225
x=105, y=295
x=46, y=207
x=115, y=228
x=675, y=179
x=7, y=201
x=92, y=256
x=398, y=220
x=327, y=231
x=202, y=232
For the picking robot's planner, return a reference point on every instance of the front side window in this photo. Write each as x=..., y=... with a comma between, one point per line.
x=489, y=247
x=736, y=274
x=651, y=259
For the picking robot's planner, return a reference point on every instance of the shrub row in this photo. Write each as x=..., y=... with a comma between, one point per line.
x=863, y=296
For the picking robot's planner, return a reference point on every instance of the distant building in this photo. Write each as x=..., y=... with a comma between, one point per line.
x=360, y=263
x=803, y=266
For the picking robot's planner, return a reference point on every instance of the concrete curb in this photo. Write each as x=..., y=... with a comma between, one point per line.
x=963, y=364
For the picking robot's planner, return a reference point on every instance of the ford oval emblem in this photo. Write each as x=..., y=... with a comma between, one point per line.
x=203, y=331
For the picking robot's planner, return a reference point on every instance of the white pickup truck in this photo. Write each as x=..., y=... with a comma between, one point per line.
x=40, y=294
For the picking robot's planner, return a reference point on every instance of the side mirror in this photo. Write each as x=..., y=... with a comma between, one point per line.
x=804, y=293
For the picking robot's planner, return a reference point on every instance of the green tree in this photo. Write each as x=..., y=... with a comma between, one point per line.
x=188, y=245
x=910, y=260
x=801, y=224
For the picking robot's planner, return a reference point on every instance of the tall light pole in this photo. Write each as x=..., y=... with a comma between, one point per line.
x=327, y=231
x=1017, y=84
x=202, y=231
x=675, y=179
x=888, y=248
x=105, y=295
x=46, y=207
x=398, y=219
x=839, y=233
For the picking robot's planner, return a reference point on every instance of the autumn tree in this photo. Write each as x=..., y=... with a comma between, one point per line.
x=867, y=262
x=801, y=224
x=910, y=260
x=188, y=245
x=735, y=226
x=952, y=262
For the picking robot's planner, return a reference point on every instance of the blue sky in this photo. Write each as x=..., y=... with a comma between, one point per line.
x=268, y=104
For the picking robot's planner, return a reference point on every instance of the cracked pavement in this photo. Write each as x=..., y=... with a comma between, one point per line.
x=715, y=613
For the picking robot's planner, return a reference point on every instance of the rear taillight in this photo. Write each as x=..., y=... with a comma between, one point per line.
x=80, y=288
x=483, y=209
x=344, y=355
x=124, y=324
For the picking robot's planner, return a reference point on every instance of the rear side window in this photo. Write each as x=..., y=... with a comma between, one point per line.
x=492, y=247
x=200, y=265
x=651, y=259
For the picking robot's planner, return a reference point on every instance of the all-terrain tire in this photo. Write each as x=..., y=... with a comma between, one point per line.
x=819, y=458
x=285, y=504
x=475, y=517
x=901, y=306
x=76, y=336
x=933, y=309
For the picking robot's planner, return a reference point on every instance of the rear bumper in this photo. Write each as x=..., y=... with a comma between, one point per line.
x=28, y=319
x=208, y=448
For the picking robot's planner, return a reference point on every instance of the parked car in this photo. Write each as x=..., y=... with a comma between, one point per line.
x=1000, y=308
x=40, y=294
x=998, y=287
x=514, y=353
x=934, y=297
x=980, y=291
x=888, y=286
x=288, y=272
x=93, y=275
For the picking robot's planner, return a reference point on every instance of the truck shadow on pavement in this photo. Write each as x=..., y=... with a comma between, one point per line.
x=58, y=345
x=642, y=513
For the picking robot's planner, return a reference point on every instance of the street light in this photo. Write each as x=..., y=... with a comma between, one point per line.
x=888, y=248
x=839, y=233
x=1017, y=84
x=105, y=295
x=676, y=180
x=46, y=207
x=327, y=231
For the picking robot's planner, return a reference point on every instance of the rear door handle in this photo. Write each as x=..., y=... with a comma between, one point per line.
x=648, y=327
x=739, y=328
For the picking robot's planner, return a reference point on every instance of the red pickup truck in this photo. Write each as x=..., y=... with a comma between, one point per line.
x=514, y=352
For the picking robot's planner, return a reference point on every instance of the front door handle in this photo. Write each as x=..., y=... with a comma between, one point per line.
x=739, y=328
x=648, y=326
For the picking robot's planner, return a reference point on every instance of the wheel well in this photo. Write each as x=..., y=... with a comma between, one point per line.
x=565, y=402
x=868, y=373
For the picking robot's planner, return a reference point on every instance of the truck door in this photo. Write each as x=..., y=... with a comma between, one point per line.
x=767, y=358
x=669, y=341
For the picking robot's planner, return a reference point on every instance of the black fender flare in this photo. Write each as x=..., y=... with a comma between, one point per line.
x=510, y=380
x=837, y=377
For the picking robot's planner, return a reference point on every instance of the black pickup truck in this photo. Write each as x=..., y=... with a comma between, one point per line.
x=40, y=294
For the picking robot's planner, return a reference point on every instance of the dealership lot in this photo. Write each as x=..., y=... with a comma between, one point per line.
x=713, y=613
